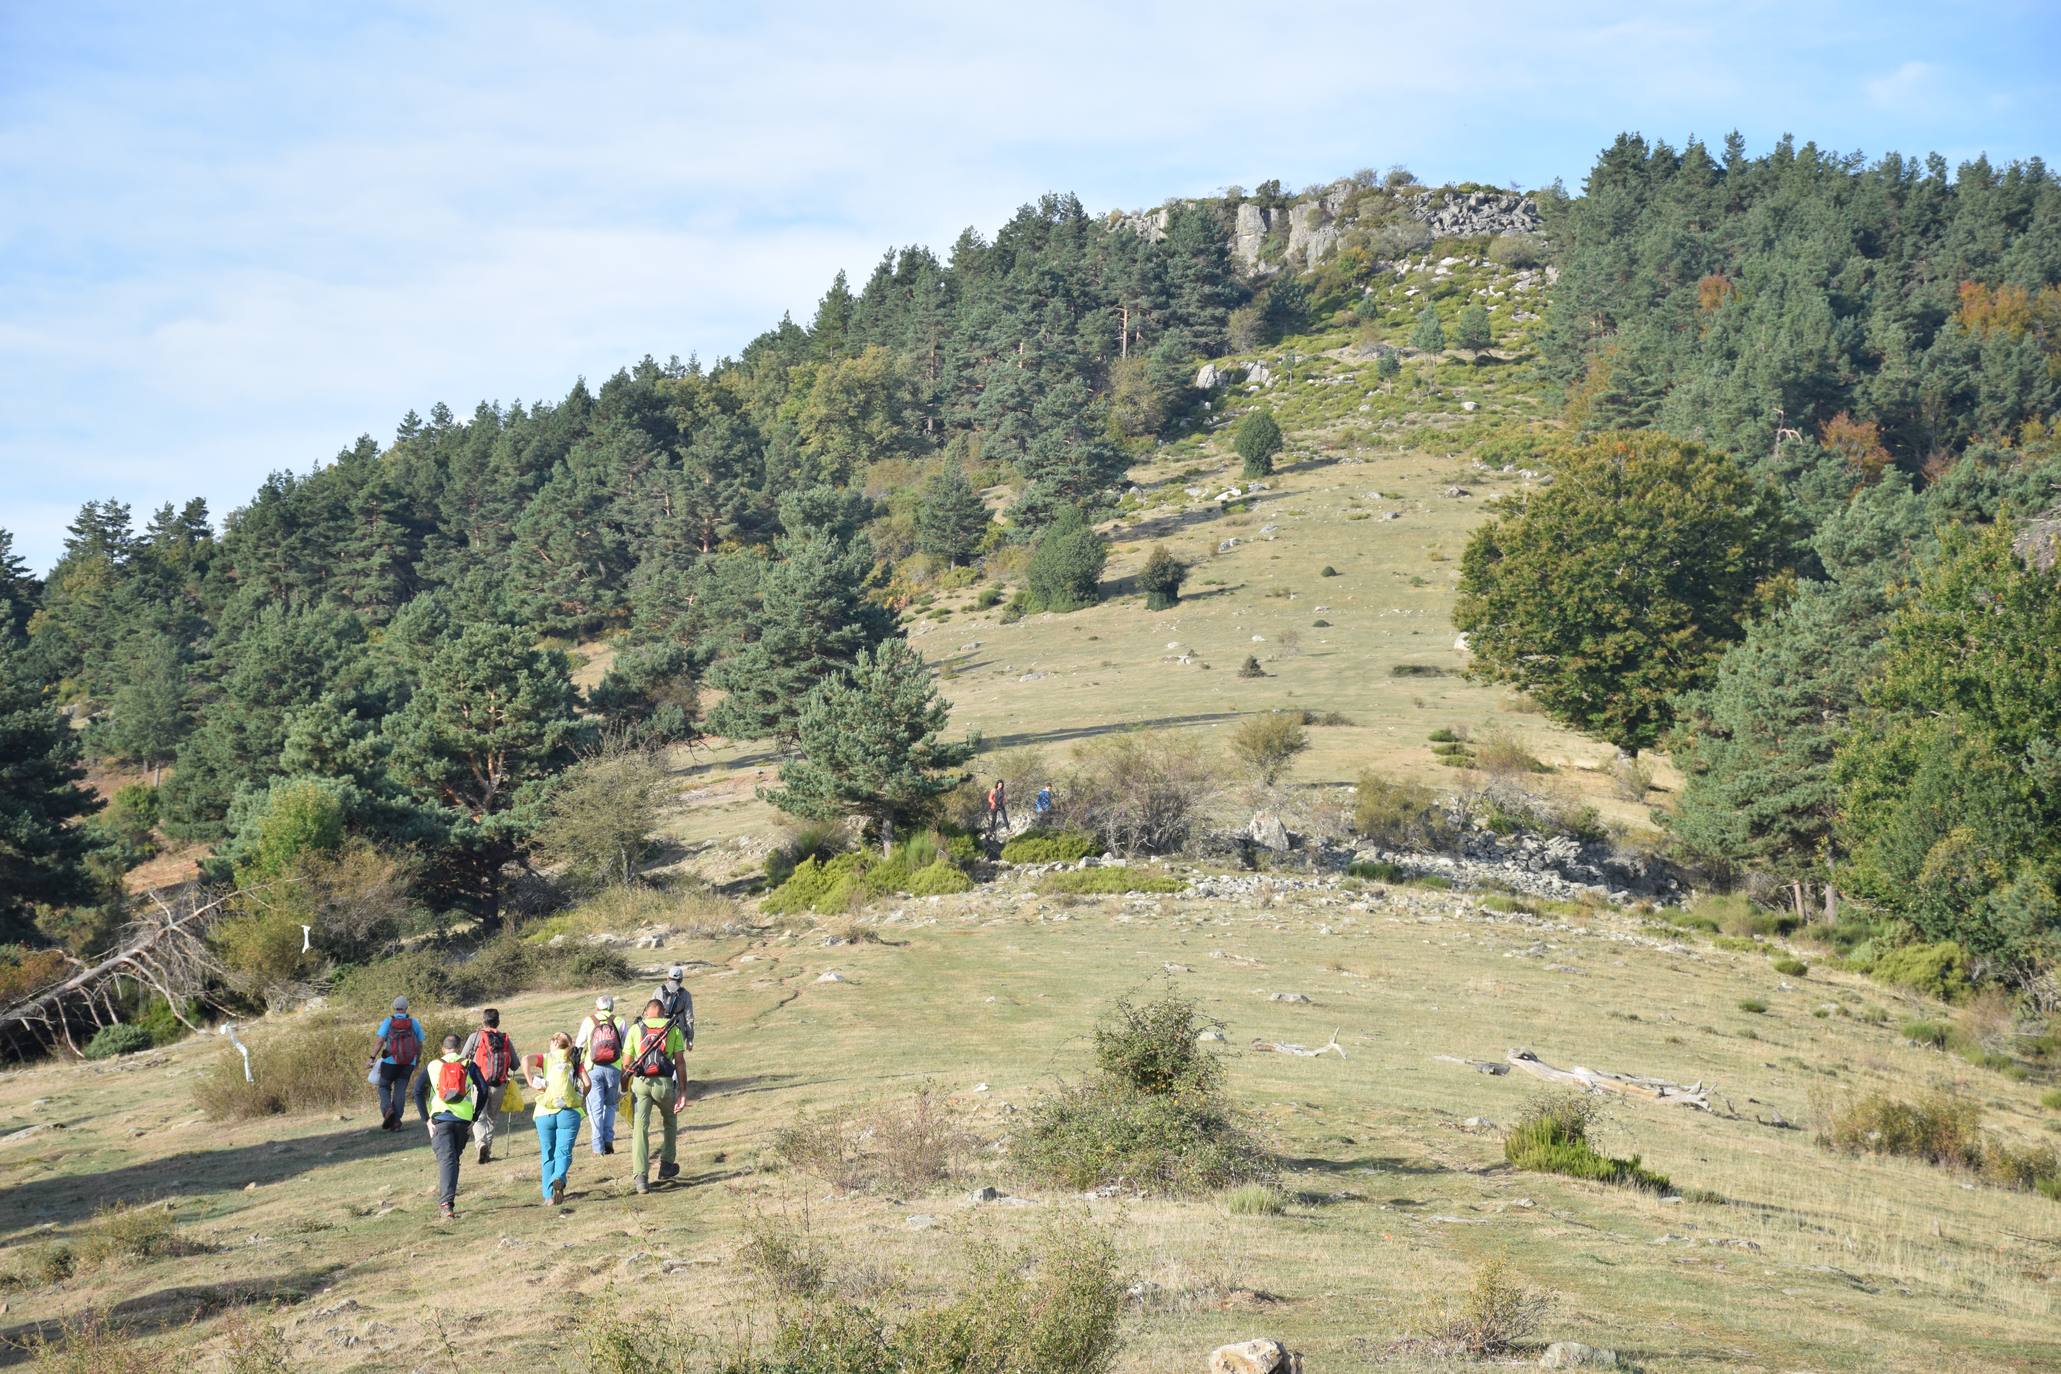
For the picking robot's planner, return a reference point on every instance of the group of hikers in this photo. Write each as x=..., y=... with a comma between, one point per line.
x=998, y=808
x=460, y=1091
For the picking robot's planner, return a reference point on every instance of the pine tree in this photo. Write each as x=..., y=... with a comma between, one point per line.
x=490, y=721
x=1430, y=335
x=20, y=592
x=42, y=853
x=1069, y=459
x=815, y=620
x=1161, y=578
x=952, y=519
x=1472, y=331
x=1257, y=441
x=147, y=716
x=1065, y=572
x=870, y=745
x=1202, y=281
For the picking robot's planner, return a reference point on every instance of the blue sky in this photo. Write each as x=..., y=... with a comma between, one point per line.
x=231, y=243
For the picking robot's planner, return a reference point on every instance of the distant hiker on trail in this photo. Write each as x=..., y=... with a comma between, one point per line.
x=658, y=1082
x=557, y=1077
x=1042, y=804
x=493, y=1052
x=399, y=1048
x=672, y=994
x=458, y=1089
x=998, y=808
x=604, y=1039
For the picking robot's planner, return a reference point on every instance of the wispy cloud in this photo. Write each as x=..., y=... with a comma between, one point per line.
x=234, y=241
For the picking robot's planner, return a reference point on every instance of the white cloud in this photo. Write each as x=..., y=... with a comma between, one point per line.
x=1912, y=83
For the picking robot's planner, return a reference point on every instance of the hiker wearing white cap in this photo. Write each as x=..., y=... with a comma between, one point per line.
x=395, y=1056
x=600, y=1041
x=672, y=994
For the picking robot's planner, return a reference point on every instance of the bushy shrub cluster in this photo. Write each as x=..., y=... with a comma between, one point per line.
x=906, y=1149
x=313, y=1064
x=1152, y=1116
x=920, y=867
x=434, y=975
x=1400, y=815
x=1938, y=1129
x=1142, y=791
x=1936, y=970
x=1552, y=1137
x=118, y=1039
x=1051, y=846
x=1110, y=881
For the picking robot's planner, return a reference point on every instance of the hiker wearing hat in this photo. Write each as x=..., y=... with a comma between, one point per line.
x=559, y=1080
x=395, y=1056
x=603, y=1042
x=672, y=994
x=456, y=1085
x=658, y=1083
x=493, y=1053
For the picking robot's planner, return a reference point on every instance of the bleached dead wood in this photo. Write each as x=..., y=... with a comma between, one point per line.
x=1623, y=1084
x=1277, y=1047
x=1490, y=1066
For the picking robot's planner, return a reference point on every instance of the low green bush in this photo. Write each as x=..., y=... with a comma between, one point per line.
x=938, y=878
x=1552, y=1137
x=1939, y=970
x=1377, y=871
x=1092, y=882
x=118, y=1039
x=1397, y=814
x=1051, y=846
x=2051, y=1099
x=1753, y=1005
x=922, y=866
x=1791, y=967
x=1255, y=1200
x=1932, y=1033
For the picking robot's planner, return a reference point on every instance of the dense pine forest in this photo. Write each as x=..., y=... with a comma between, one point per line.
x=368, y=662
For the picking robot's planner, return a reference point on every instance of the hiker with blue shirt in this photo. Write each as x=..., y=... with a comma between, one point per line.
x=398, y=1051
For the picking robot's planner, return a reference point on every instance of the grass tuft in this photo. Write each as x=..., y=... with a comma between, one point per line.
x=1552, y=1137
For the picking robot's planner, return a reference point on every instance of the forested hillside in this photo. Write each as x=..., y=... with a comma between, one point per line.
x=371, y=660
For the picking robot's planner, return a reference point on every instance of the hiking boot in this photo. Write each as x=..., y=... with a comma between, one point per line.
x=608, y=1147
x=445, y=1212
x=642, y=1185
x=557, y=1191
x=666, y=1171
x=486, y=1154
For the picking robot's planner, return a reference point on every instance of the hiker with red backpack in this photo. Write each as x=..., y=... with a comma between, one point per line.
x=458, y=1090
x=400, y=1046
x=493, y=1053
x=604, y=1040
x=658, y=1083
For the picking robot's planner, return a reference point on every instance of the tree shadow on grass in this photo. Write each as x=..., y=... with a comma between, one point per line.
x=75, y=1197
x=152, y=1314
x=1112, y=727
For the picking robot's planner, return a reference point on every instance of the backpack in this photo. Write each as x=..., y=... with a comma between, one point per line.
x=452, y=1080
x=606, y=1043
x=495, y=1056
x=403, y=1041
x=652, y=1059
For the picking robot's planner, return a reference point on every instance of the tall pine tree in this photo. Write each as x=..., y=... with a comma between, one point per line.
x=42, y=851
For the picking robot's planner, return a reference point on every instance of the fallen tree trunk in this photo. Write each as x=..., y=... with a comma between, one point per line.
x=1623, y=1084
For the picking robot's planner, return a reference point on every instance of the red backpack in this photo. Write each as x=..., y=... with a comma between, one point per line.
x=403, y=1041
x=495, y=1055
x=605, y=1045
x=652, y=1059
x=452, y=1082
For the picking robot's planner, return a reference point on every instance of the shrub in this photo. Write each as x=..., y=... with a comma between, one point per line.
x=1495, y=1315
x=1933, y=1034
x=1753, y=1005
x=1267, y=744
x=1500, y=755
x=1066, y=565
x=1251, y=667
x=1161, y=579
x=89, y=1343
x=1255, y=1200
x=939, y=878
x=1937, y=1129
x=1328, y=571
x=1443, y=735
x=1151, y=1116
x=1516, y=250
x=2051, y=1099
x=601, y=814
x=1110, y=881
x=1377, y=870
x=298, y=1066
x=1257, y=440
x=1552, y=1137
x=1791, y=967
x=819, y=840
x=1051, y=846
x=118, y=1039
x=1631, y=779
x=989, y=596
x=1141, y=791
x=1400, y=815
x=907, y=1148
x=125, y=1233
x=1937, y=970
x=922, y=866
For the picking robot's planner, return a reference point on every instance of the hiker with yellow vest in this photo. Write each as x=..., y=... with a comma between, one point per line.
x=556, y=1076
x=658, y=1082
x=456, y=1091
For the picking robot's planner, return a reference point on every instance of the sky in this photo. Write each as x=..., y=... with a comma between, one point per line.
x=230, y=243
